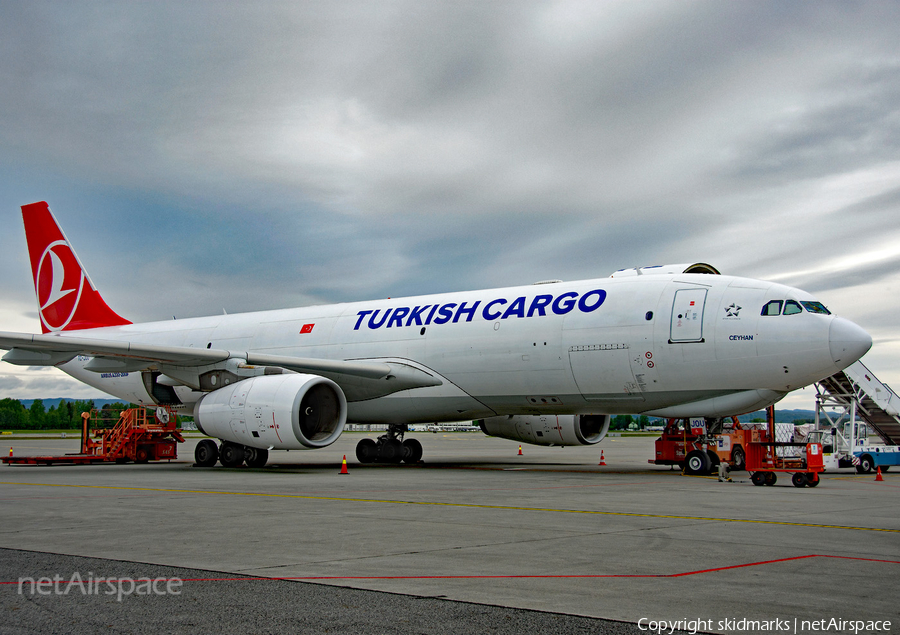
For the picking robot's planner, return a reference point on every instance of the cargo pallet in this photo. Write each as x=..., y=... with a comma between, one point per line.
x=140, y=435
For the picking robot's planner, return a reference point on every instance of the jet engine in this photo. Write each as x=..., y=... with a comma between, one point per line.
x=283, y=412
x=696, y=267
x=548, y=429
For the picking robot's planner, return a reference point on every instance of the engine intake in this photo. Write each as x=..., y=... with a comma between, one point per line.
x=283, y=412
x=548, y=429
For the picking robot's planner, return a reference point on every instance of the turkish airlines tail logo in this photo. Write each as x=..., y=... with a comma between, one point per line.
x=67, y=299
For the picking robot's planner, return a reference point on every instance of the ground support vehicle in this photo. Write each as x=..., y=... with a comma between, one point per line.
x=140, y=435
x=698, y=445
x=847, y=445
x=848, y=405
x=732, y=442
x=875, y=457
x=685, y=443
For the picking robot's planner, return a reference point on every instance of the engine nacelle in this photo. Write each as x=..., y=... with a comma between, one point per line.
x=282, y=412
x=696, y=267
x=548, y=429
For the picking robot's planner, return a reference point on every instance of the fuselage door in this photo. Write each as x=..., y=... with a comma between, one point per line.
x=687, y=316
x=603, y=371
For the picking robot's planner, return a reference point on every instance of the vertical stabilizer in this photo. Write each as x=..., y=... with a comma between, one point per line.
x=67, y=299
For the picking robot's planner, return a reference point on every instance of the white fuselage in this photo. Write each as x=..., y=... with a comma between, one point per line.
x=672, y=345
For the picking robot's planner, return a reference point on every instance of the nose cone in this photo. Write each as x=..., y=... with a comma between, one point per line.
x=847, y=341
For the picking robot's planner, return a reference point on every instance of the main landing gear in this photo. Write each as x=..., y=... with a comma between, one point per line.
x=390, y=447
x=228, y=454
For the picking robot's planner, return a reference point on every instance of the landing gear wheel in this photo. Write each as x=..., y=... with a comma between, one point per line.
x=206, y=453
x=758, y=478
x=415, y=451
x=231, y=454
x=714, y=460
x=738, y=459
x=812, y=479
x=771, y=478
x=256, y=457
x=865, y=464
x=697, y=462
x=390, y=447
x=799, y=479
x=366, y=451
x=391, y=451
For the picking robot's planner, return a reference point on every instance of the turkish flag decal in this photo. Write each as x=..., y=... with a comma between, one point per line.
x=307, y=328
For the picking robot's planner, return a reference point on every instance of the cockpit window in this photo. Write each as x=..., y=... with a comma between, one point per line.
x=772, y=308
x=816, y=307
x=792, y=308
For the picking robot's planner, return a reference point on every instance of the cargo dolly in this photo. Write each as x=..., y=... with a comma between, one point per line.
x=766, y=458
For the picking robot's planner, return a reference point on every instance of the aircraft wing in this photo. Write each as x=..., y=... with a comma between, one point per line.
x=27, y=349
x=358, y=378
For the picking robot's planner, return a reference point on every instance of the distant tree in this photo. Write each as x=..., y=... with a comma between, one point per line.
x=620, y=422
x=644, y=421
x=51, y=419
x=37, y=415
x=109, y=414
x=13, y=415
x=757, y=420
x=79, y=407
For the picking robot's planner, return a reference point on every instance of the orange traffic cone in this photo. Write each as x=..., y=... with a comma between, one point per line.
x=878, y=476
x=344, y=466
x=520, y=450
x=602, y=462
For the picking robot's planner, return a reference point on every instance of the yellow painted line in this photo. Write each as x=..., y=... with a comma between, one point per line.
x=861, y=477
x=467, y=505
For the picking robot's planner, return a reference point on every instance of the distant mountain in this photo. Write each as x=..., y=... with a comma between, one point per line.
x=781, y=416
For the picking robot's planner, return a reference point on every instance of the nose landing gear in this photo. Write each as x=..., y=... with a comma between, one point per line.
x=390, y=447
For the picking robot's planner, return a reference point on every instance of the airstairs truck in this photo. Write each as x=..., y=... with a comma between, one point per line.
x=857, y=401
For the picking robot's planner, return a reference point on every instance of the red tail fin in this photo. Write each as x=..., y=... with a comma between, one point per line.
x=67, y=299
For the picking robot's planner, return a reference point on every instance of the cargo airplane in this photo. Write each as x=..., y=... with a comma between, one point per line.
x=547, y=363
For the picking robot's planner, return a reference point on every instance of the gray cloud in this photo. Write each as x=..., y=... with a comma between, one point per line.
x=222, y=155
x=46, y=383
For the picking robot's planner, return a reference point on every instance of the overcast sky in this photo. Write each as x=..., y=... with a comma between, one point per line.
x=247, y=156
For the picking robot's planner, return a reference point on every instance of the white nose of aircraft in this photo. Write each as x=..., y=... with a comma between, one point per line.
x=848, y=342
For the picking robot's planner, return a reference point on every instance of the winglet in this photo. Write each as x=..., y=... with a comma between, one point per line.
x=67, y=299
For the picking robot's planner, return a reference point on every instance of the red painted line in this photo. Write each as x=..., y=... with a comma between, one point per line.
x=551, y=576
x=861, y=559
x=739, y=566
x=525, y=577
x=276, y=428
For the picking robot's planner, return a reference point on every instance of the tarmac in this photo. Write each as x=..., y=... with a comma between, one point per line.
x=476, y=538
